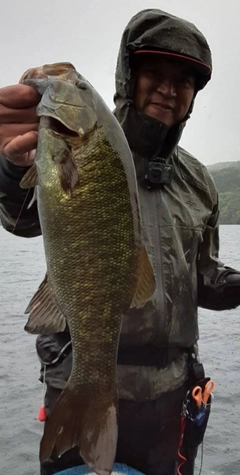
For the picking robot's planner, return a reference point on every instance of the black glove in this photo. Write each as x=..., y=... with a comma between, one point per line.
x=231, y=292
x=221, y=291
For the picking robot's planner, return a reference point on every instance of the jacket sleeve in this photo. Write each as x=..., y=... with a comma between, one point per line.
x=15, y=216
x=218, y=285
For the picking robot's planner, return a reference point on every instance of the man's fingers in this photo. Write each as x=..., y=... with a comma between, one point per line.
x=25, y=160
x=18, y=123
x=9, y=115
x=18, y=105
x=19, y=146
x=21, y=96
x=8, y=132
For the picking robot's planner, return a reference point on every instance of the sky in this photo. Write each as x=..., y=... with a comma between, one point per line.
x=87, y=33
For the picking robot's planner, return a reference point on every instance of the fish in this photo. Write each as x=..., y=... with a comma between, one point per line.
x=97, y=264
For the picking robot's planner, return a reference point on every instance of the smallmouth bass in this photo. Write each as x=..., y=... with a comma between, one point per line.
x=97, y=265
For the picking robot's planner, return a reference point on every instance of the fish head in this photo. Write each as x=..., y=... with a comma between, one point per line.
x=67, y=96
x=70, y=105
x=61, y=70
x=68, y=118
x=40, y=77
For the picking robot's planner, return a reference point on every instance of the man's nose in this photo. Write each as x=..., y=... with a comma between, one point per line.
x=167, y=87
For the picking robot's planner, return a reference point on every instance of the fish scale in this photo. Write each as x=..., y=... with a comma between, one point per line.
x=97, y=266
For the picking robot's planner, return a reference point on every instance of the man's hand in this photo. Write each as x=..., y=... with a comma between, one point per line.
x=18, y=124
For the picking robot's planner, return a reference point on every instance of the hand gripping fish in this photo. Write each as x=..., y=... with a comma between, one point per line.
x=97, y=266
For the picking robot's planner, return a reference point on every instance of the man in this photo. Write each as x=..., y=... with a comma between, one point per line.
x=163, y=63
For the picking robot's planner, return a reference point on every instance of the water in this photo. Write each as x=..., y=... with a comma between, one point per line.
x=22, y=270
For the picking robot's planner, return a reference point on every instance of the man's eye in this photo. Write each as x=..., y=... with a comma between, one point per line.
x=186, y=80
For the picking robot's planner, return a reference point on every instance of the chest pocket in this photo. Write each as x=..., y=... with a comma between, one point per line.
x=190, y=197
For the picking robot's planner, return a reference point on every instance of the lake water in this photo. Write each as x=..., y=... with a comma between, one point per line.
x=21, y=271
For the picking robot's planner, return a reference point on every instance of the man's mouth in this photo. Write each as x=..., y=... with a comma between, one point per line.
x=160, y=105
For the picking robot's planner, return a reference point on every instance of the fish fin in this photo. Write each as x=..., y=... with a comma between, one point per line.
x=2, y=195
x=45, y=316
x=34, y=198
x=87, y=422
x=67, y=170
x=146, y=280
x=30, y=178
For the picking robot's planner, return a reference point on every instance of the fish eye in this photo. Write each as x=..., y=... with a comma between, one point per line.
x=81, y=85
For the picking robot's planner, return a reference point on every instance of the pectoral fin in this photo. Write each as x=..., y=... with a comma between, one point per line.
x=34, y=198
x=146, y=281
x=67, y=169
x=30, y=178
x=45, y=316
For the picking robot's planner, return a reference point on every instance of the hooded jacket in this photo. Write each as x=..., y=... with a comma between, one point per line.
x=180, y=229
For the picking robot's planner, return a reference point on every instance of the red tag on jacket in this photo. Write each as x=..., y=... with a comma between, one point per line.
x=42, y=415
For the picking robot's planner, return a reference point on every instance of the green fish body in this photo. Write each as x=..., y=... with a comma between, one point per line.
x=97, y=266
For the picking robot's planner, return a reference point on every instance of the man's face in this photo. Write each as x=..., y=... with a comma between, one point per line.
x=164, y=89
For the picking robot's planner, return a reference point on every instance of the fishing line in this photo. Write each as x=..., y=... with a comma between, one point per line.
x=201, y=463
x=20, y=212
x=44, y=382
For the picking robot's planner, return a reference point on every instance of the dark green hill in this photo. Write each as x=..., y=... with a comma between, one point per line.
x=227, y=178
x=220, y=165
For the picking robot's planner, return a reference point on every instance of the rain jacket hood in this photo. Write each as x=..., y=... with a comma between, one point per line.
x=154, y=29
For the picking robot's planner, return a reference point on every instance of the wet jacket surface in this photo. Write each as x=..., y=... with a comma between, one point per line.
x=180, y=229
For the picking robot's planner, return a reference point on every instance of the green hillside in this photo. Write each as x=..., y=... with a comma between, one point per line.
x=227, y=178
x=220, y=165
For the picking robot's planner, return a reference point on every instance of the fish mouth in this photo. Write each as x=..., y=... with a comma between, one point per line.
x=58, y=127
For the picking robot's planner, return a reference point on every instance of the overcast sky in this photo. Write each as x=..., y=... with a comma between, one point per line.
x=88, y=32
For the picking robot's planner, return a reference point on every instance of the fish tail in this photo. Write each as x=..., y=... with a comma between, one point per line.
x=84, y=421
